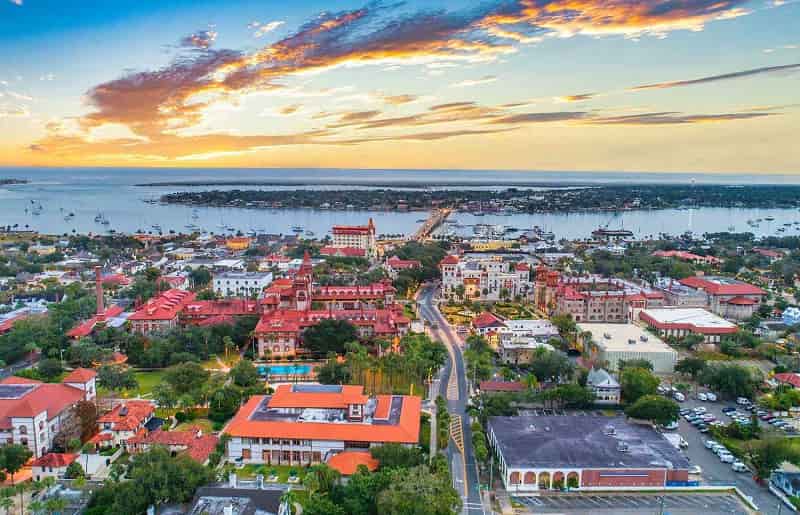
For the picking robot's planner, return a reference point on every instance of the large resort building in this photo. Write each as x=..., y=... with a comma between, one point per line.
x=485, y=278
x=592, y=298
x=305, y=424
x=353, y=241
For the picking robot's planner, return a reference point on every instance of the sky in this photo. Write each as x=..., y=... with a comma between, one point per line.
x=578, y=85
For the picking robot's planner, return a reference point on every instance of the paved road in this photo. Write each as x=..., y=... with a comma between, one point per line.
x=453, y=387
x=716, y=472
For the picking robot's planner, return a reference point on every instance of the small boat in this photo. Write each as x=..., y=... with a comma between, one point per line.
x=309, y=233
x=731, y=228
x=769, y=218
x=156, y=227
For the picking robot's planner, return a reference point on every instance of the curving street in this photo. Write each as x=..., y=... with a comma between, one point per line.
x=453, y=387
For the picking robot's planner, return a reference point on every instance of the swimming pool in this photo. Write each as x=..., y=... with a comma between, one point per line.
x=284, y=370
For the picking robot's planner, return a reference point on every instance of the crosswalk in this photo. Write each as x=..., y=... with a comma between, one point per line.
x=457, y=432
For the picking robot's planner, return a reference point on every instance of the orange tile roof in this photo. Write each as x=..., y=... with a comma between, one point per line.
x=54, y=460
x=406, y=430
x=80, y=375
x=347, y=462
x=138, y=412
x=165, y=306
x=383, y=407
x=285, y=397
x=196, y=447
x=52, y=398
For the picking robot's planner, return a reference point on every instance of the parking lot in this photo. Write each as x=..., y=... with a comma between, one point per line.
x=714, y=471
x=675, y=504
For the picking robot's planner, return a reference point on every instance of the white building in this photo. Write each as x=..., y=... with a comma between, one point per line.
x=485, y=278
x=615, y=342
x=33, y=412
x=241, y=284
x=679, y=322
x=605, y=388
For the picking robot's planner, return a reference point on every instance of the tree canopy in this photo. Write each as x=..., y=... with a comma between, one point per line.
x=329, y=336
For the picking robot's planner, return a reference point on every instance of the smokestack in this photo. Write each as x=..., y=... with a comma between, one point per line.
x=98, y=288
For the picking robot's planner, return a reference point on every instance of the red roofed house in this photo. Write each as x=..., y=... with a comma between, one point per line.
x=356, y=236
x=788, y=378
x=487, y=322
x=123, y=422
x=200, y=311
x=160, y=313
x=51, y=465
x=772, y=255
x=31, y=412
x=394, y=265
x=304, y=424
x=347, y=462
x=193, y=442
x=727, y=297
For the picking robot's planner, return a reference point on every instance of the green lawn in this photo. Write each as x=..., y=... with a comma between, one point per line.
x=147, y=381
x=250, y=471
x=203, y=423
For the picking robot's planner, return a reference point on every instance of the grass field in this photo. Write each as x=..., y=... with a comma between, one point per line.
x=203, y=423
x=147, y=381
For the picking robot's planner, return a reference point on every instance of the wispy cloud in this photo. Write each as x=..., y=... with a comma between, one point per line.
x=672, y=118
x=160, y=104
x=47, y=77
x=782, y=47
x=488, y=79
x=13, y=111
x=16, y=2
x=766, y=70
x=260, y=29
x=202, y=39
x=576, y=98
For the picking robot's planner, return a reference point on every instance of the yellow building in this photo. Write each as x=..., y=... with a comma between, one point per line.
x=239, y=243
x=489, y=245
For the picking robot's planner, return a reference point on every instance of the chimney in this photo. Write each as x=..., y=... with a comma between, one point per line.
x=98, y=288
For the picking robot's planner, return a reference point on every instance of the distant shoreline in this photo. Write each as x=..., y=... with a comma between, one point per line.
x=10, y=182
x=356, y=182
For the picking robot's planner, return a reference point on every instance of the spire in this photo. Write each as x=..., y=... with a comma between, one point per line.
x=98, y=288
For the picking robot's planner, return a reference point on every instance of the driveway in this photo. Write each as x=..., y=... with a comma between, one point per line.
x=716, y=472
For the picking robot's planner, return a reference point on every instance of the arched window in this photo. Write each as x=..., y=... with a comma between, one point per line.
x=23, y=430
x=544, y=481
x=530, y=478
x=514, y=478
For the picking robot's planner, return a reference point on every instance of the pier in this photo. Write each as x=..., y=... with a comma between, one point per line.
x=436, y=218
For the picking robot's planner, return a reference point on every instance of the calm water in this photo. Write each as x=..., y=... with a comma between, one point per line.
x=88, y=192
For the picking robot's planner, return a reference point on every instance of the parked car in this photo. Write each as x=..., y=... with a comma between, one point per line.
x=712, y=397
x=738, y=466
x=702, y=397
x=726, y=458
x=709, y=444
x=684, y=411
x=728, y=409
x=672, y=425
x=696, y=470
x=700, y=410
x=678, y=396
x=703, y=428
x=742, y=401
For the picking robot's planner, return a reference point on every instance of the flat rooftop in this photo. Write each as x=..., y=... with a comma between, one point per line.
x=697, y=317
x=624, y=337
x=582, y=442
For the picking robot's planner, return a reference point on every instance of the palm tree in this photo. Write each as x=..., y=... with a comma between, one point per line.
x=56, y=504
x=36, y=507
x=6, y=503
x=20, y=488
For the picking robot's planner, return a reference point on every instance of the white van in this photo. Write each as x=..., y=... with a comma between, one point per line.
x=702, y=397
x=743, y=401
x=738, y=466
x=712, y=397
x=678, y=396
x=726, y=458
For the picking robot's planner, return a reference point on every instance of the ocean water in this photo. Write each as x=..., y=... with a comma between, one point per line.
x=114, y=194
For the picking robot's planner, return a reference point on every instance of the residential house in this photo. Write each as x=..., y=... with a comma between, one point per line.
x=52, y=465
x=605, y=388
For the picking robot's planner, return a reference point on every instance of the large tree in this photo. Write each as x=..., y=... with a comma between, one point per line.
x=417, y=491
x=636, y=383
x=244, y=374
x=732, y=380
x=115, y=377
x=186, y=377
x=13, y=457
x=329, y=336
x=654, y=408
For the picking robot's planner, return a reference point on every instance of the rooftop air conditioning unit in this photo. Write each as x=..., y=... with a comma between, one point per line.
x=643, y=337
x=607, y=336
x=631, y=341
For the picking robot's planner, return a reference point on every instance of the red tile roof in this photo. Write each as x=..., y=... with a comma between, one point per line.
x=86, y=327
x=54, y=460
x=138, y=413
x=50, y=398
x=212, y=308
x=400, y=264
x=790, y=378
x=406, y=430
x=352, y=229
x=347, y=462
x=198, y=445
x=166, y=306
x=285, y=397
x=741, y=301
x=449, y=260
x=80, y=375
x=486, y=319
x=719, y=288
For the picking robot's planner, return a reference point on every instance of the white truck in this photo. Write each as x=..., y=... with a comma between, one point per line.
x=676, y=440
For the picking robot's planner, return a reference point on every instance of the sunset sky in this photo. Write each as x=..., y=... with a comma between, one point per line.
x=652, y=85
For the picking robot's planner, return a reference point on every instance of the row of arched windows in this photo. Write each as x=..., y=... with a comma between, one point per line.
x=546, y=480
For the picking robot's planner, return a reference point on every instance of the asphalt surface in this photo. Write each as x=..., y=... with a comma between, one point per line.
x=639, y=504
x=462, y=464
x=714, y=471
